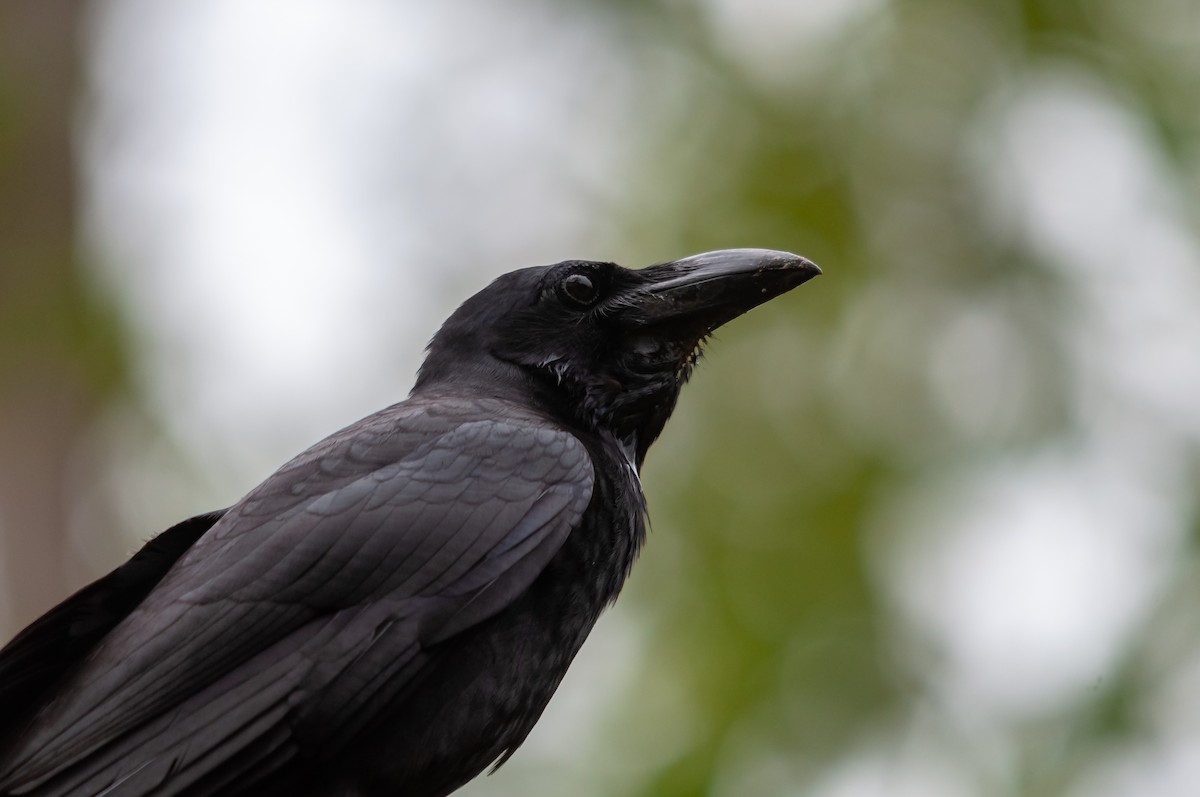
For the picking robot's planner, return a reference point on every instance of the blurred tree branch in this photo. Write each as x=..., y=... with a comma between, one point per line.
x=56, y=358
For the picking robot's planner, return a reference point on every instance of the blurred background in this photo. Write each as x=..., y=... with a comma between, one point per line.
x=926, y=527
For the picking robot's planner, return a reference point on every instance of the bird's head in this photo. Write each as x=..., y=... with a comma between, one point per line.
x=609, y=347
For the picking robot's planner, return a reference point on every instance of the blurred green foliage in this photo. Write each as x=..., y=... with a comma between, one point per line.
x=858, y=146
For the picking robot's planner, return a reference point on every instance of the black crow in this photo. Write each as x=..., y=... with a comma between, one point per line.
x=390, y=611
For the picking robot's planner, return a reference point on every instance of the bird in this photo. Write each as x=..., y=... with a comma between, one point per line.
x=390, y=612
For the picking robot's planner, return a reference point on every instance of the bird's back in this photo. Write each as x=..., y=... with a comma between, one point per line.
x=396, y=597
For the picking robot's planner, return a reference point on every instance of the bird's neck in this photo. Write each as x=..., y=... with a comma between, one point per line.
x=629, y=408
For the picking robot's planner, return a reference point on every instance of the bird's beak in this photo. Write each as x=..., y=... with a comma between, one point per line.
x=704, y=291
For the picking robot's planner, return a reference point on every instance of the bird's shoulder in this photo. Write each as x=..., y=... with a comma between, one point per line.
x=420, y=442
x=429, y=427
x=413, y=474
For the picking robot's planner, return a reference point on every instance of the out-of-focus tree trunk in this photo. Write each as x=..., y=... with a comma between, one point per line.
x=53, y=364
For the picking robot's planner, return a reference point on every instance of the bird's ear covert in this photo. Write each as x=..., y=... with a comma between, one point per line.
x=578, y=290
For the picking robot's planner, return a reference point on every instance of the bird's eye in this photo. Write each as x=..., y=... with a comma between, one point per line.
x=579, y=289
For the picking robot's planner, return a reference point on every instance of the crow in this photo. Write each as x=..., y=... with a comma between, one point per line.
x=391, y=611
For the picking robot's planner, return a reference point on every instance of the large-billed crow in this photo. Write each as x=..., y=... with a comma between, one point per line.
x=390, y=611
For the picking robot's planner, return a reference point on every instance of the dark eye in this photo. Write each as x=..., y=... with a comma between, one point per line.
x=579, y=289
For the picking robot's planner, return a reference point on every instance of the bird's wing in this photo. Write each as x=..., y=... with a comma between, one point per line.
x=32, y=664
x=310, y=601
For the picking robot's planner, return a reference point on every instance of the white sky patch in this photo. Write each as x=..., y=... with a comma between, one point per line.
x=1168, y=768
x=980, y=373
x=1029, y=578
x=225, y=211
x=781, y=39
x=883, y=767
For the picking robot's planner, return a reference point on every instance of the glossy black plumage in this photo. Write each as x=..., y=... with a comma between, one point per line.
x=390, y=611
